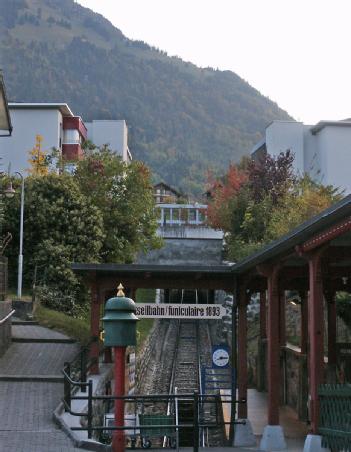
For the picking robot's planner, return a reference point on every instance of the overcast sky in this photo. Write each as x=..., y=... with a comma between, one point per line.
x=296, y=52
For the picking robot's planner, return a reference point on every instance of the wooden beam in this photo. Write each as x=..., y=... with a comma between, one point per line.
x=327, y=235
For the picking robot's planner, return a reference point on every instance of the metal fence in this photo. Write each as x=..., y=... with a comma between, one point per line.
x=335, y=416
x=143, y=409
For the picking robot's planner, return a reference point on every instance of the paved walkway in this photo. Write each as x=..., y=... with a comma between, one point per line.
x=295, y=431
x=26, y=406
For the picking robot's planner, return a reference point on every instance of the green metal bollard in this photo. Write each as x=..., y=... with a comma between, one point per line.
x=120, y=331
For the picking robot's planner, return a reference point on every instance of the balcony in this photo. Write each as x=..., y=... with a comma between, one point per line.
x=75, y=123
x=72, y=152
x=181, y=214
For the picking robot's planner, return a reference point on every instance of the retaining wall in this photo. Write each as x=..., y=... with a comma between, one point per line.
x=5, y=328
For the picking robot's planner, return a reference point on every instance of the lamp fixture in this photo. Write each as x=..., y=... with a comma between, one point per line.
x=9, y=191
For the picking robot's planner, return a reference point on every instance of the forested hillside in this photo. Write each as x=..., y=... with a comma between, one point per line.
x=182, y=119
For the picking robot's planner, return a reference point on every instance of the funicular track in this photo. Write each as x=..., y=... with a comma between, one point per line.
x=184, y=347
x=193, y=350
x=185, y=375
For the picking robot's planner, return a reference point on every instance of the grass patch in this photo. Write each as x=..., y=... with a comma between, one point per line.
x=145, y=295
x=80, y=328
x=12, y=295
x=144, y=326
x=76, y=328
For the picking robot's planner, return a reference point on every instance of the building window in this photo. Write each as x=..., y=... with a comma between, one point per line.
x=192, y=215
x=166, y=215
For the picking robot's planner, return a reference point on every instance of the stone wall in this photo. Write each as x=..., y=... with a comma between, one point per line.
x=185, y=251
x=5, y=328
x=3, y=278
x=291, y=370
x=294, y=386
x=144, y=356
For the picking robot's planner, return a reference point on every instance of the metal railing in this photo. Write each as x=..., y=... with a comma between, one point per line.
x=139, y=402
x=335, y=416
x=77, y=369
x=7, y=317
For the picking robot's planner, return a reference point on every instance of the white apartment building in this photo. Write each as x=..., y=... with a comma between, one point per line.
x=322, y=150
x=113, y=133
x=59, y=128
x=54, y=122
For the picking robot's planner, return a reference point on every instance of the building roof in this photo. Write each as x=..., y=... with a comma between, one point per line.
x=159, y=275
x=64, y=108
x=160, y=268
x=5, y=119
x=321, y=124
x=261, y=145
x=167, y=187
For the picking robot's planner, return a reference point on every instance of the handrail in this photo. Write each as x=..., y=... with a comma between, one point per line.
x=7, y=317
x=197, y=399
x=72, y=382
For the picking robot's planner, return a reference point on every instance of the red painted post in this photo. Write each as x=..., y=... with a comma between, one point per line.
x=316, y=334
x=304, y=322
x=273, y=348
x=331, y=330
x=94, y=327
x=282, y=319
x=242, y=352
x=107, y=355
x=263, y=316
x=133, y=293
x=118, y=438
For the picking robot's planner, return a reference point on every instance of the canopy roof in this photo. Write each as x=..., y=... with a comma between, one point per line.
x=332, y=226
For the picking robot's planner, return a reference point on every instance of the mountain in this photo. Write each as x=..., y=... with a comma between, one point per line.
x=183, y=119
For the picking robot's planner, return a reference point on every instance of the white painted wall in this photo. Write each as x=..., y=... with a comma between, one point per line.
x=312, y=158
x=114, y=133
x=284, y=135
x=28, y=123
x=334, y=147
x=325, y=155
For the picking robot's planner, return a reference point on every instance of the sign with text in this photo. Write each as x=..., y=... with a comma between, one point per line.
x=179, y=311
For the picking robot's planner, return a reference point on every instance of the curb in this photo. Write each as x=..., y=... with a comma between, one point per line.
x=81, y=444
x=24, y=378
x=36, y=340
x=87, y=444
x=25, y=322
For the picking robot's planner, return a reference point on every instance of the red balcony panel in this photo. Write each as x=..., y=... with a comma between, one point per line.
x=72, y=152
x=75, y=123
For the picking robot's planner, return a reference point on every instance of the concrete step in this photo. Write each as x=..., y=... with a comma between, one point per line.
x=24, y=322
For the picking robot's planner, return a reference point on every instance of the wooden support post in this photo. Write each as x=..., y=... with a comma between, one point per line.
x=304, y=321
x=133, y=293
x=94, y=325
x=282, y=319
x=263, y=316
x=273, y=348
x=273, y=371
x=282, y=343
x=242, y=351
x=303, y=368
x=316, y=335
x=331, y=306
x=262, y=342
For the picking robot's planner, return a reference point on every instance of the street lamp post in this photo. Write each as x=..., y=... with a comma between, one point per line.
x=20, y=255
x=10, y=192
